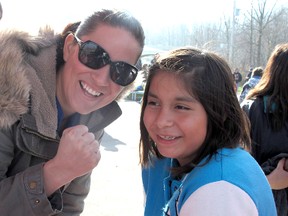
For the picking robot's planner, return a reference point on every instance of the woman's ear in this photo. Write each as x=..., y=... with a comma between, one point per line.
x=69, y=46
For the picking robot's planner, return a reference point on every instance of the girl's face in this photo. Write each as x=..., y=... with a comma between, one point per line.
x=82, y=89
x=174, y=119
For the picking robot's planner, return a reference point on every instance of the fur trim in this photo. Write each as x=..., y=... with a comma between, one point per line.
x=14, y=85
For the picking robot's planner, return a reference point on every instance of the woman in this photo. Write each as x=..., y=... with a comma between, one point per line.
x=57, y=95
x=266, y=106
x=193, y=135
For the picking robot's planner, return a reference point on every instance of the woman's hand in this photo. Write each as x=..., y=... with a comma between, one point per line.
x=278, y=178
x=78, y=153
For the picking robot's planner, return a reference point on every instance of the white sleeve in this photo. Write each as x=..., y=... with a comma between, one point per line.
x=219, y=198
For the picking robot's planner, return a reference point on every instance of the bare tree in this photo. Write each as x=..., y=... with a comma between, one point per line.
x=276, y=32
x=258, y=19
x=256, y=32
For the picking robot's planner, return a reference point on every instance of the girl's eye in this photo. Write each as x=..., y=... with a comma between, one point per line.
x=180, y=107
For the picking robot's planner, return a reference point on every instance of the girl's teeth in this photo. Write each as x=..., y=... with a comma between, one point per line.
x=168, y=137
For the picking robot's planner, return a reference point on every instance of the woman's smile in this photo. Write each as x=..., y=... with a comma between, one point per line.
x=89, y=90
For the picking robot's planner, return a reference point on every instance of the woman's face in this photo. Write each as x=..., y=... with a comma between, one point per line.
x=82, y=89
x=174, y=119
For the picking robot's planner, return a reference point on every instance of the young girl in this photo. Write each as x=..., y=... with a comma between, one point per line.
x=194, y=141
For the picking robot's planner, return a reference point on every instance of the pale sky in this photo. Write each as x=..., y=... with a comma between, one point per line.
x=30, y=15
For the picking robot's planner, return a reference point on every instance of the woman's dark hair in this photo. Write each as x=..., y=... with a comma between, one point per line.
x=273, y=85
x=208, y=78
x=70, y=28
x=122, y=19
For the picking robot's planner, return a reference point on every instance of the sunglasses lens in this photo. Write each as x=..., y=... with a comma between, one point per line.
x=122, y=73
x=93, y=56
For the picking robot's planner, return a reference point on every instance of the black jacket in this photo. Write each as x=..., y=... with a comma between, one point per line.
x=268, y=146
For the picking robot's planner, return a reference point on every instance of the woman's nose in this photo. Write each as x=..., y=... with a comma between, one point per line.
x=101, y=76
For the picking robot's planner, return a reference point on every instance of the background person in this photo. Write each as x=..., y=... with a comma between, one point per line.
x=266, y=106
x=191, y=128
x=237, y=78
x=251, y=83
x=57, y=94
x=249, y=74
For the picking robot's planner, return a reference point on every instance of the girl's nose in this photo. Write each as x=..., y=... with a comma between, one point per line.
x=164, y=119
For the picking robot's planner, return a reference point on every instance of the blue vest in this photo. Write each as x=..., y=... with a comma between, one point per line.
x=235, y=166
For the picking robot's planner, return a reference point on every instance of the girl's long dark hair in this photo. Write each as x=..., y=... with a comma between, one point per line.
x=207, y=77
x=273, y=87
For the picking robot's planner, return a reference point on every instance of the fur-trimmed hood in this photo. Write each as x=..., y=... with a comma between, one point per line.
x=16, y=73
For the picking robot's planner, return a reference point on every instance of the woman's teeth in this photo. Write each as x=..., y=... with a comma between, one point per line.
x=89, y=90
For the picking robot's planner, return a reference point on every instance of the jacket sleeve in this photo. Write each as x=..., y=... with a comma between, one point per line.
x=24, y=187
x=221, y=195
x=74, y=196
x=23, y=193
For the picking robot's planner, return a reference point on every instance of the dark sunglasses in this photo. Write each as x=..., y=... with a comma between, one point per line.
x=94, y=56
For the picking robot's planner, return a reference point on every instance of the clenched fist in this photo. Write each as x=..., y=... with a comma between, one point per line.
x=78, y=153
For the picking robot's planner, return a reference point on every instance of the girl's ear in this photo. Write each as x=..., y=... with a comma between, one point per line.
x=69, y=46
